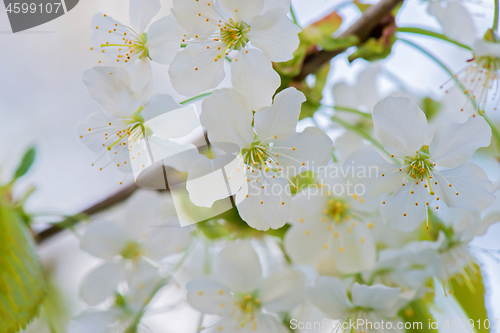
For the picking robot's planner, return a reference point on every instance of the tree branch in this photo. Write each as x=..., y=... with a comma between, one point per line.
x=361, y=29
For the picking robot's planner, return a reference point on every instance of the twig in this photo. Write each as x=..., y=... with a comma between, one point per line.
x=361, y=29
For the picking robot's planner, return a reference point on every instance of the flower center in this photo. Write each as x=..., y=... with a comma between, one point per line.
x=337, y=210
x=132, y=251
x=248, y=304
x=233, y=34
x=258, y=156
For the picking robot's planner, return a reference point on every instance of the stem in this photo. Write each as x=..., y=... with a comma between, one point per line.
x=425, y=32
x=293, y=15
x=195, y=98
x=350, y=110
x=494, y=130
x=359, y=132
x=495, y=19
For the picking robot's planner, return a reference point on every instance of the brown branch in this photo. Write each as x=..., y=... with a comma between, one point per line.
x=100, y=206
x=361, y=29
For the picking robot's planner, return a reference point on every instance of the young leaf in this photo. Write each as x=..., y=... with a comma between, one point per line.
x=21, y=275
x=471, y=297
x=26, y=162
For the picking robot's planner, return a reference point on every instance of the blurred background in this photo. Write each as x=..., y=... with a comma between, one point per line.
x=42, y=99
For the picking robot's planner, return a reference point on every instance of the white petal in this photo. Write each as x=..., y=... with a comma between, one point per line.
x=239, y=267
x=241, y=10
x=400, y=125
x=305, y=242
x=141, y=74
x=142, y=211
x=402, y=202
x=347, y=143
x=195, y=68
x=141, y=12
x=377, y=297
x=267, y=323
x=204, y=294
x=282, y=291
x=313, y=149
x=330, y=295
x=267, y=207
x=176, y=155
x=358, y=248
x=164, y=40
x=307, y=206
x=212, y=180
x=227, y=118
x=158, y=105
x=101, y=283
x=187, y=12
x=483, y=48
x=110, y=87
x=252, y=74
x=454, y=144
x=163, y=240
x=470, y=182
x=96, y=136
x=366, y=167
x=271, y=4
x=491, y=218
x=278, y=122
x=170, y=124
x=275, y=35
x=455, y=20
x=95, y=321
x=103, y=239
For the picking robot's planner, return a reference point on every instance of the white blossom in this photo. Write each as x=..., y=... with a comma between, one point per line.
x=238, y=293
x=428, y=172
x=241, y=29
x=134, y=45
x=268, y=155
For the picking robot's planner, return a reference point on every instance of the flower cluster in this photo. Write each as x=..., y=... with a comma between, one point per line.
x=355, y=230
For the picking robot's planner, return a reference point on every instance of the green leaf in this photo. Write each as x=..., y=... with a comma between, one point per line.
x=418, y=315
x=470, y=296
x=26, y=162
x=322, y=30
x=314, y=94
x=21, y=275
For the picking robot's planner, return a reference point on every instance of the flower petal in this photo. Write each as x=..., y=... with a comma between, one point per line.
x=193, y=15
x=95, y=321
x=278, y=122
x=454, y=144
x=271, y=4
x=212, y=180
x=164, y=240
x=197, y=68
x=141, y=12
x=141, y=74
x=377, y=297
x=103, y=239
x=142, y=211
x=252, y=74
x=483, y=48
x=304, y=243
x=264, y=202
x=400, y=125
x=455, y=20
x=239, y=268
x=101, y=283
x=358, y=248
x=329, y=294
x=307, y=206
x=470, y=182
x=227, y=118
x=282, y=291
x=404, y=210
x=296, y=154
x=275, y=35
x=90, y=132
x=241, y=10
x=164, y=39
x=110, y=87
x=209, y=295
x=267, y=323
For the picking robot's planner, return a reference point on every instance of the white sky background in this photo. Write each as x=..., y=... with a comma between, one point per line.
x=42, y=99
